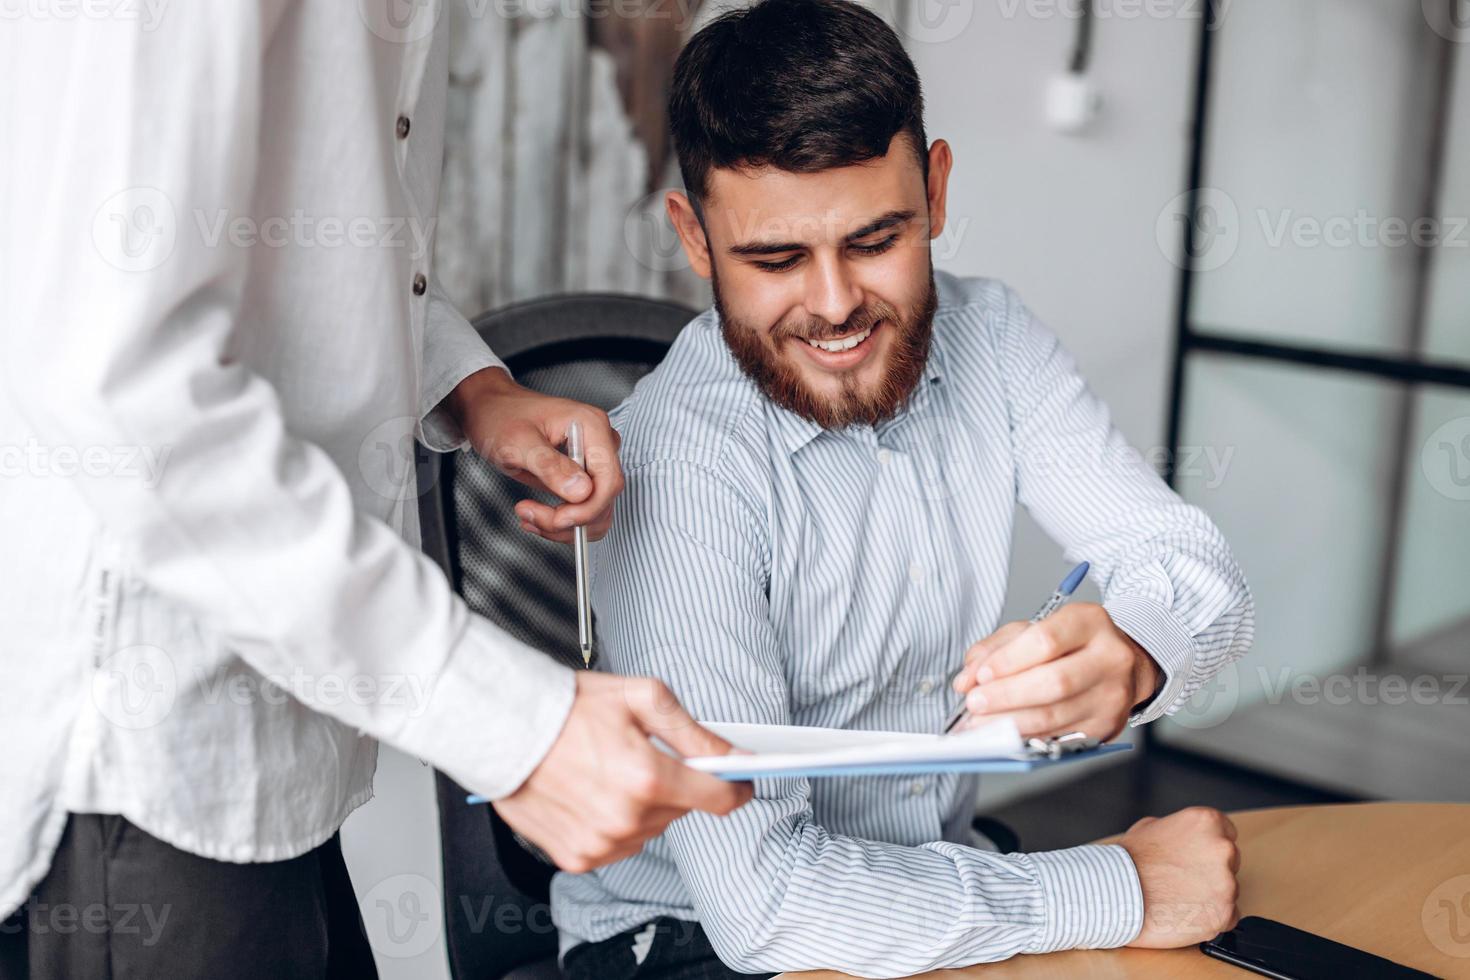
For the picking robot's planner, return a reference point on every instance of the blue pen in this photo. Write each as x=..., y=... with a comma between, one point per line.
x=1057, y=600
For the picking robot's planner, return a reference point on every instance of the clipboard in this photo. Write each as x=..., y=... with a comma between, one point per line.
x=1004, y=752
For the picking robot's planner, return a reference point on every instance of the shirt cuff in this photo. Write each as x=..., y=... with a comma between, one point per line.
x=493, y=713
x=1155, y=628
x=1092, y=898
x=437, y=428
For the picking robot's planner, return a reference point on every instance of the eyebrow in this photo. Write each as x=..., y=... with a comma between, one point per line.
x=881, y=223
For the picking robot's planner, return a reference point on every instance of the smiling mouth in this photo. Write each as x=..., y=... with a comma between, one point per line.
x=842, y=343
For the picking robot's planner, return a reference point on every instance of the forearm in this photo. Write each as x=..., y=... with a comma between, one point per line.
x=778, y=893
x=481, y=383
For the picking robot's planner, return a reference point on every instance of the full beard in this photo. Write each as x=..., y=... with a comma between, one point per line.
x=758, y=352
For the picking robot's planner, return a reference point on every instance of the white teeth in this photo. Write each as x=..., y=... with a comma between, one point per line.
x=846, y=343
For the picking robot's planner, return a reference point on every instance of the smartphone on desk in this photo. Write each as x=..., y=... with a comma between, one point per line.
x=1274, y=949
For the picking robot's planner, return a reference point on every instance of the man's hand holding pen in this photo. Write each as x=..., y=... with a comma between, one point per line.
x=1075, y=670
x=519, y=430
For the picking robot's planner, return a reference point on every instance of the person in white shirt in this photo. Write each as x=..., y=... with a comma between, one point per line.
x=218, y=332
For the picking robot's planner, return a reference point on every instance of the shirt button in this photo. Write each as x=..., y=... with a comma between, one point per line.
x=916, y=572
x=403, y=126
x=917, y=787
x=885, y=456
x=420, y=285
x=926, y=687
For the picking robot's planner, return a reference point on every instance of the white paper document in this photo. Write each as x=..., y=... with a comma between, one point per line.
x=795, y=750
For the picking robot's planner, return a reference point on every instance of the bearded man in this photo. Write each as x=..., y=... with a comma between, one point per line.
x=821, y=483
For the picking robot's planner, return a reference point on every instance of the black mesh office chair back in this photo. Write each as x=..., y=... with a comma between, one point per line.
x=593, y=348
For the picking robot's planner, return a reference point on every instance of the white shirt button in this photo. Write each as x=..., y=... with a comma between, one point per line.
x=916, y=572
x=885, y=456
x=917, y=787
x=926, y=687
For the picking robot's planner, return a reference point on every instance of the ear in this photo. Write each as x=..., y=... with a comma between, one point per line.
x=941, y=161
x=690, y=232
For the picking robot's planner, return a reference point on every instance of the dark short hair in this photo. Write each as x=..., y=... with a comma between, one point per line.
x=801, y=85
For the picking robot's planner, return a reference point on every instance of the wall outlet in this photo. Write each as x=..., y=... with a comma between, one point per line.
x=1072, y=103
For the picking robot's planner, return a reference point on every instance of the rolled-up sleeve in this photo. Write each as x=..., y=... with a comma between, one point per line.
x=1167, y=576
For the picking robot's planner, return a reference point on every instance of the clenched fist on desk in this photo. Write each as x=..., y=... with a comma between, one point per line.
x=1187, y=864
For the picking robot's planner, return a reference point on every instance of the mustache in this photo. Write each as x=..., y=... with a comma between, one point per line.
x=816, y=328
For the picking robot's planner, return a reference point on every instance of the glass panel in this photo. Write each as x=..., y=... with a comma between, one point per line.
x=1318, y=125
x=1294, y=466
x=1447, y=330
x=1431, y=603
x=1298, y=467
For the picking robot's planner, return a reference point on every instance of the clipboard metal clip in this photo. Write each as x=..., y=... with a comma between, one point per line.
x=1054, y=747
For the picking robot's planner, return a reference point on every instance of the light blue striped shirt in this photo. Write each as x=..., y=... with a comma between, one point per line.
x=772, y=571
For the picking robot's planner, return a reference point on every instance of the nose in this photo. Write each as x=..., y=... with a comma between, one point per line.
x=831, y=292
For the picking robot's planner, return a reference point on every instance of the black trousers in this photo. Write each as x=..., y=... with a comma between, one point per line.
x=680, y=951
x=119, y=904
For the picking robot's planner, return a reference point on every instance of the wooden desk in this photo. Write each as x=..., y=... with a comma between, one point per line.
x=1383, y=877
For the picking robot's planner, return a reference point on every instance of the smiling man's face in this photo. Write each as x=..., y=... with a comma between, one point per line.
x=823, y=281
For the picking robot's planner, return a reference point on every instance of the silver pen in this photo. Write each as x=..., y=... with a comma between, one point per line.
x=1057, y=600
x=578, y=452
